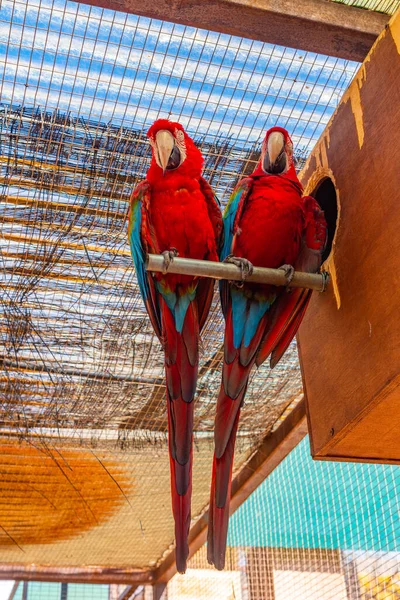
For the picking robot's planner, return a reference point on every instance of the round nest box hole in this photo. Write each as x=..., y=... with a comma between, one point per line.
x=325, y=195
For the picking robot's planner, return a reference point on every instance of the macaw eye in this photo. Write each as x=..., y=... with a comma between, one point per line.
x=175, y=159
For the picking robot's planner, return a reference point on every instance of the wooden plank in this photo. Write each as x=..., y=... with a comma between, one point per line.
x=128, y=592
x=13, y=591
x=275, y=447
x=349, y=341
x=158, y=590
x=312, y=25
x=88, y=574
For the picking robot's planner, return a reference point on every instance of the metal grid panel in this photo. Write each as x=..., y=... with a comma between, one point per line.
x=311, y=531
x=79, y=87
x=79, y=84
x=385, y=6
x=56, y=591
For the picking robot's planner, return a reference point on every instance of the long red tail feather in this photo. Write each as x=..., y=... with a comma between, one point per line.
x=274, y=333
x=290, y=331
x=235, y=376
x=218, y=514
x=276, y=327
x=181, y=366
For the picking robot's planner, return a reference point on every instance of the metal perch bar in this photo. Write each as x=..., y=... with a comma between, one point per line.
x=205, y=268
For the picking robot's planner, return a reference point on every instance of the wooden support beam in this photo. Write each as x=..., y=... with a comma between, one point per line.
x=312, y=25
x=129, y=592
x=275, y=447
x=10, y=365
x=49, y=573
x=158, y=590
x=13, y=591
x=205, y=268
x=25, y=590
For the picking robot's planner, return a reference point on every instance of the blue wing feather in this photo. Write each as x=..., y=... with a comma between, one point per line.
x=139, y=200
x=137, y=251
x=246, y=314
x=232, y=210
x=235, y=204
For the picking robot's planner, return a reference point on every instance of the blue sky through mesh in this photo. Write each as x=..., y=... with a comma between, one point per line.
x=123, y=69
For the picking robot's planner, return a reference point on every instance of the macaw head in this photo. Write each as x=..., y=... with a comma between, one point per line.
x=277, y=152
x=174, y=152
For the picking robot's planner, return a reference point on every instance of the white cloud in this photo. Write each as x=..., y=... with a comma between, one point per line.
x=211, y=82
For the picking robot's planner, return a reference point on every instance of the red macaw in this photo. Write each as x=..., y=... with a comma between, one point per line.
x=174, y=211
x=268, y=223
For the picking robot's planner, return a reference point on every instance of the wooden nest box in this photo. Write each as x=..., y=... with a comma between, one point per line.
x=349, y=342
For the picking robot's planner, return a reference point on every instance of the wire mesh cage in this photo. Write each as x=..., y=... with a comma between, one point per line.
x=83, y=422
x=312, y=530
x=80, y=86
x=35, y=590
x=385, y=6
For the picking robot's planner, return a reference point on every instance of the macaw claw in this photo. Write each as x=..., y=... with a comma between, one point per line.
x=289, y=273
x=245, y=266
x=169, y=256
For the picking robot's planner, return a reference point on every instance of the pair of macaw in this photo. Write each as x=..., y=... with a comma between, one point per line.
x=267, y=223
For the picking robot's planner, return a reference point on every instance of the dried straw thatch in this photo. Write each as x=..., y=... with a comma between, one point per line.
x=83, y=420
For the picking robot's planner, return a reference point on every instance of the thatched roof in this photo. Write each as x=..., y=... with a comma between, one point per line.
x=83, y=424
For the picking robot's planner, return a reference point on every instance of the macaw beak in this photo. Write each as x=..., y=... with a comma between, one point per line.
x=275, y=156
x=164, y=145
x=275, y=145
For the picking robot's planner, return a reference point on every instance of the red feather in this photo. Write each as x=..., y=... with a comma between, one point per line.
x=179, y=211
x=273, y=226
x=181, y=365
x=218, y=513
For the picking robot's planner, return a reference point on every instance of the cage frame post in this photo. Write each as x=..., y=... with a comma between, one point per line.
x=311, y=25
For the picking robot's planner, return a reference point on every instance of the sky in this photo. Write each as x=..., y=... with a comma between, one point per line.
x=120, y=68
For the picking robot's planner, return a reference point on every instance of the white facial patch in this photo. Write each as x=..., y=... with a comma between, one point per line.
x=154, y=148
x=163, y=144
x=180, y=142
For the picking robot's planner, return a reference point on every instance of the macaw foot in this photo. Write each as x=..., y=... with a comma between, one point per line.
x=289, y=273
x=169, y=256
x=245, y=266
